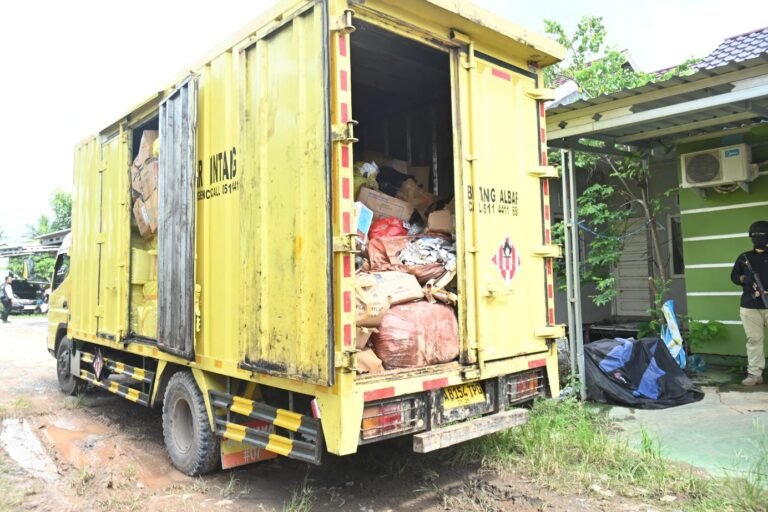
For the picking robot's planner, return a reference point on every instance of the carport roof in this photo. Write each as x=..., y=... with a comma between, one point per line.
x=709, y=103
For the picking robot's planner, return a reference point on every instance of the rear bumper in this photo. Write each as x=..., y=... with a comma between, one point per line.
x=471, y=429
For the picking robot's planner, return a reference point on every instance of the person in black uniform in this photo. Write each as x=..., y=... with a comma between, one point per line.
x=753, y=311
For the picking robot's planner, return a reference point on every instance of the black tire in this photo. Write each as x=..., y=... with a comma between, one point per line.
x=191, y=444
x=68, y=383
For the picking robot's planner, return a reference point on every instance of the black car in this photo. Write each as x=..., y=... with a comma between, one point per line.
x=28, y=296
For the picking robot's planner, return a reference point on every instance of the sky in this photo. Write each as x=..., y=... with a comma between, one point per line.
x=70, y=68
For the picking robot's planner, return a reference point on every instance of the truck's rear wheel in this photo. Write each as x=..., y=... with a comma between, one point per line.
x=68, y=383
x=191, y=444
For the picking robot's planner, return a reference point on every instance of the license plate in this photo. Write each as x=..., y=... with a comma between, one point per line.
x=463, y=394
x=31, y=307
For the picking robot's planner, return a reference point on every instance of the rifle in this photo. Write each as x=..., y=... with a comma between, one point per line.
x=756, y=277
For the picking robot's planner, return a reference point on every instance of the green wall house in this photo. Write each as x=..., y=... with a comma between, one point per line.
x=714, y=229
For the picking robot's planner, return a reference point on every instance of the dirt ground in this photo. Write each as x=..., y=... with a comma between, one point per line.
x=101, y=452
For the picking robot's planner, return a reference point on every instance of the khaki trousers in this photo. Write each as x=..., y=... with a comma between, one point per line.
x=755, y=321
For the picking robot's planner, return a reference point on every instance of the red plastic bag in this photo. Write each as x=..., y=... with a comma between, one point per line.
x=417, y=334
x=387, y=226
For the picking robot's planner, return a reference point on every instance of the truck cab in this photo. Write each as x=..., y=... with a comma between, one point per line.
x=58, y=298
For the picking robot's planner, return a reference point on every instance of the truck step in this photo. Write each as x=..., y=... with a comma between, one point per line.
x=139, y=374
x=307, y=449
x=470, y=429
x=132, y=394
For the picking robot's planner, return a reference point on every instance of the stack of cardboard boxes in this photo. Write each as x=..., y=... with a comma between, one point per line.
x=144, y=174
x=144, y=179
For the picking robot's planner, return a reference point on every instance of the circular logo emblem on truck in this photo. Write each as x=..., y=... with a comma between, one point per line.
x=507, y=259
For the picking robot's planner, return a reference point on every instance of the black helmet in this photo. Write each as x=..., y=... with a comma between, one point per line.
x=758, y=232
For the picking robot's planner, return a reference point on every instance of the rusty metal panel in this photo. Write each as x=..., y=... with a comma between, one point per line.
x=176, y=222
x=284, y=222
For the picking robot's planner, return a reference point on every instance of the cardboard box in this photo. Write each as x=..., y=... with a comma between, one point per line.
x=148, y=138
x=398, y=165
x=416, y=197
x=441, y=221
x=151, y=205
x=384, y=205
x=142, y=218
x=368, y=362
x=370, y=306
x=149, y=176
x=398, y=287
x=364, y=217
x=420, y=175
x=362, y=337
x=135, y=181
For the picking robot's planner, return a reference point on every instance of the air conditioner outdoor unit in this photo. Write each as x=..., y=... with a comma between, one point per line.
x=719, y=166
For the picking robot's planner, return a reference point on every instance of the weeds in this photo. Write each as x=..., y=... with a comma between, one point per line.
x=233, y=487
x=567, y=444
x=10, y=497
x=301, y=499
x=83, y=479
x=74, y=402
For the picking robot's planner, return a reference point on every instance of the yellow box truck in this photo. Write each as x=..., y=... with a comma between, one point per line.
x=212, y=267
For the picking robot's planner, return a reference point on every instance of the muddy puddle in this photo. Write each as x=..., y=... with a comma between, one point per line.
x=24, y=447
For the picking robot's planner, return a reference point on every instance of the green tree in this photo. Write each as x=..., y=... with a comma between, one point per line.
x=42, y=266
x=42, y=227
x=606, y=206
x=61, y=203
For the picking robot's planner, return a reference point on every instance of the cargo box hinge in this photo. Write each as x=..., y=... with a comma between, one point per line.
x=550, y=332
x=343, y=22
x=345, y=133
x=541, y=94
x=548, y=251
x=346, y=360
x=345, y=243
x=544, y=171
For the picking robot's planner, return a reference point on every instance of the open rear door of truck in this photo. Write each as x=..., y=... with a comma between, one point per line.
x=285, y=228
x=176, y=221
x=503, y=208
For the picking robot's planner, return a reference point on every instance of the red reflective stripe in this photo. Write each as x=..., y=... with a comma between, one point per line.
x=549, y=266
x=434, y=383
x=545, y=185
x=378, y=394
x=547, y=236
x=541, y=108
x=346, y=222
x=501, y=74
x=551, y=316
x=343, y=45
x=546, y=212
x=543, y=158
x=348, y=302
x=538, y=363
x=343, y=80
x=550, y=291
x=347, y=335
x=345, y=156
x=543, y=135
x=344, y=112
x=346, y=263
x=345, y=188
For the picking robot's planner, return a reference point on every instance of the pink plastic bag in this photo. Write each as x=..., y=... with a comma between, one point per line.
x=387, y=226
x=417, y=334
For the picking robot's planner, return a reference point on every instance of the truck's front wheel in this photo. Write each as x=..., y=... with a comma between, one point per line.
x=191, y=444
x=68, y=383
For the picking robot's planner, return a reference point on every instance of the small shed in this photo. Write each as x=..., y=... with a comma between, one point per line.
x=723, y=106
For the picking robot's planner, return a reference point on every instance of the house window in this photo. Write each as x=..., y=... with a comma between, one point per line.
x=676, y=263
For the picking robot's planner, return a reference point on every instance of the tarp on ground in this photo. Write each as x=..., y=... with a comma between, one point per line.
x=636, y=373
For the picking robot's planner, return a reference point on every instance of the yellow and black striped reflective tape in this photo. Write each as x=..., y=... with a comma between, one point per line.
x=293, y=448
x=139, y=374
x=132, y=394
x=282, y=418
